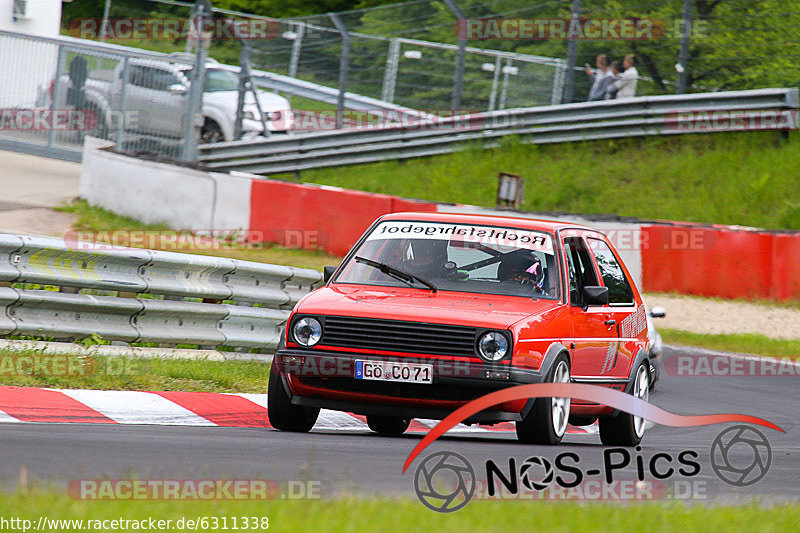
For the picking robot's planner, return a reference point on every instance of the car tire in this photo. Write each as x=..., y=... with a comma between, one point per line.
x=100, y=128
x=388, y=425
x=546, y=422
x=211, y=132
x=626, y=429
x=282, y=414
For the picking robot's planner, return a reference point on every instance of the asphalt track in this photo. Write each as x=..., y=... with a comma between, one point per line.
x=369, y=464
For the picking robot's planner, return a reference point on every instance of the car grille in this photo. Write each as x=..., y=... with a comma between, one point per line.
x=398, y=336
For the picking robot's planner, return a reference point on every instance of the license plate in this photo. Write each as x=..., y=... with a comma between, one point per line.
x=394, y=371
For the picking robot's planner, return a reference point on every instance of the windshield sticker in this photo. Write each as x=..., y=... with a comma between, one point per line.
x=464, y=234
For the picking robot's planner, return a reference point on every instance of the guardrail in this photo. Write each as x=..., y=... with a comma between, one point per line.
x=134, y=295
x=652, y=115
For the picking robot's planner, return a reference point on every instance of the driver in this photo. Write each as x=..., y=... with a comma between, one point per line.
x=523, y=267
x=429, y=257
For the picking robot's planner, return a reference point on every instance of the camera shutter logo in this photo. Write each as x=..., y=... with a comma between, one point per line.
x=444, y=482
x=733, y=463
x=527, y=476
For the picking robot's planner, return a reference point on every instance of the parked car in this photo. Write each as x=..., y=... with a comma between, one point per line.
x=158, y=90
x=429, y=311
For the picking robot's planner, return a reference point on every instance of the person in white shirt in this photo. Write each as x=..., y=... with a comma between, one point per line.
x=626, y=85
x=598, y=90
x=610, y=88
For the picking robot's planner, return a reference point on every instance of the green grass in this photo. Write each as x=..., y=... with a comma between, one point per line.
x=127, y=373
x=748, y=343
x=406, y=514
x=100, y=220
x=724, y=178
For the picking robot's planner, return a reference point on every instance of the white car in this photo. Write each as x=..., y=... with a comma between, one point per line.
x=158, y=91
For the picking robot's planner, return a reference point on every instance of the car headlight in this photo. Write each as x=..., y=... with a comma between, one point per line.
x=492, y=346
x=249, y=115
x=307, y=331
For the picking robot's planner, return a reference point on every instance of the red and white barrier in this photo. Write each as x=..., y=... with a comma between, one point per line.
x=26, y=404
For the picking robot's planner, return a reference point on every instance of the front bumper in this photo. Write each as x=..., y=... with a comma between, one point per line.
x=319, y=378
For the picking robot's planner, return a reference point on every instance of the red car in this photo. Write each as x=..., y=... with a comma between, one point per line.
x=429, y=311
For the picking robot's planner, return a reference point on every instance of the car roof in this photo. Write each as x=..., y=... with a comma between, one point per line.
x=493, y=220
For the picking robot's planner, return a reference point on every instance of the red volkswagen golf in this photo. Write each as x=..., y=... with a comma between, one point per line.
x=430, y=311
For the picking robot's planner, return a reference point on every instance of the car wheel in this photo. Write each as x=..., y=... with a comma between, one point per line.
x=546, y=423
x=99, y=126
x=282, y=413
x=626, y=429
x=388, y=425
x=211, y=133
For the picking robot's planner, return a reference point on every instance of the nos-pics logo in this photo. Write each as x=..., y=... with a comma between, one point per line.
x=445, y=481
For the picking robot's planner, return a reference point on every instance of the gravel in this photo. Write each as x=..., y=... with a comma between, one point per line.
x=705, y=315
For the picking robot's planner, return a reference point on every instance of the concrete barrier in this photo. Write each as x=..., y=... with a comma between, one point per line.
x=662, y=256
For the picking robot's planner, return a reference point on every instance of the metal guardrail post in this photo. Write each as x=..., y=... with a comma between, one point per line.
x=51, y=137
x=572, y=54
x=390, y=73
x=104, y=24
x=495, y=78
x=504, y=88
x=344, y=67
x=244, y=75
x=194, y=113
x=123, y=104
x=559, y=79
x=297, y=46
x=683, y=55
x=458, y=79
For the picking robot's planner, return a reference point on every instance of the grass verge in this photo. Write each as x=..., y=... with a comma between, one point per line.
x=106, y=223
x=405, y=514
x=724, y=178
x=34, y=369
x=748, y=343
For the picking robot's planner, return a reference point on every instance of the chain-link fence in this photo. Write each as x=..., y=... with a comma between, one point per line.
x=410, y=72
x=65, y=89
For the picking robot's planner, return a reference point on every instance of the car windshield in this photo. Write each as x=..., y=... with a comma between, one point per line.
x=217, y=80
x=457, y=257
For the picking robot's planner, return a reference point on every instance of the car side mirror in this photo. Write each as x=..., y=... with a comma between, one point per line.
x=177, y=89
x=595, y=295
x=327, y=272
x=658, y=312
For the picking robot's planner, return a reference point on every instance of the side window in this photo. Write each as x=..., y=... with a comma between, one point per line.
x=136, y=76
x=579, y=268
x=151, y=78
x=619, y=289
x=162, y=79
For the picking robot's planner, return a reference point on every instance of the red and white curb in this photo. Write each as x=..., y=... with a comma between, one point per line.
x=25, y=404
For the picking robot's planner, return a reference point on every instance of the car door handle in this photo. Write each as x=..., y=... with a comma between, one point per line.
x=610, y=322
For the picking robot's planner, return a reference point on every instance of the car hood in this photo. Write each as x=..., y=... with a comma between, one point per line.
x=416, y=305
x=228, y=99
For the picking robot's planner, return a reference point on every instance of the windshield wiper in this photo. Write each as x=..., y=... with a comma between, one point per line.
x=396, y=273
